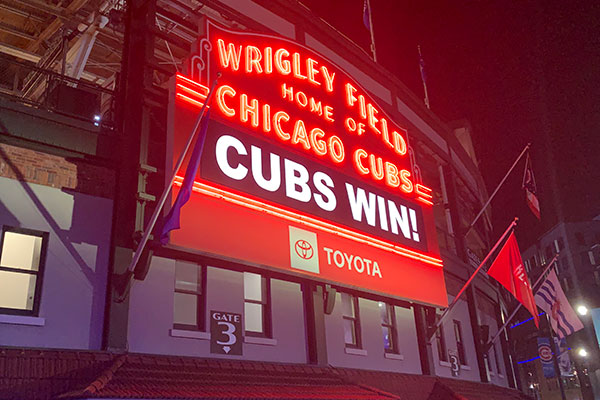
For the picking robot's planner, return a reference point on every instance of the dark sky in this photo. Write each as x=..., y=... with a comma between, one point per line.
x=519, y=71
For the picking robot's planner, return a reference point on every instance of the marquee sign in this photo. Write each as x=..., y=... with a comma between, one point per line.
x=302, y=171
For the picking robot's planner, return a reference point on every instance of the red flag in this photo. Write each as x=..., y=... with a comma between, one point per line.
x=531, y=189
x=508, y=269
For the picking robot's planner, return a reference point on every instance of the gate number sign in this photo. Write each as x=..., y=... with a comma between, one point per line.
x=225, y=333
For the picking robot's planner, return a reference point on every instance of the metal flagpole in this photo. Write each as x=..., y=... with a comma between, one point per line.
x=371, y=30
x=518, y=307
x=163, y=197
x=466, y=285
x=422, y=69
x=487, y=203
x=555, y=356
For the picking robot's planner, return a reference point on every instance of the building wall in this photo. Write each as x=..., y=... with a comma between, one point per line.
x=372, y=355
x=151, y=316
x=442, y=368
x=74, y=280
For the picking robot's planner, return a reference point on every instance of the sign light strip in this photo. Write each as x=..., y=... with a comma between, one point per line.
x=309, y=221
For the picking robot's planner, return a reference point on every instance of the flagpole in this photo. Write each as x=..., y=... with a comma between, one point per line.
x=555, y=357
x=518, y=307
x=487, y=203
x=371, y=31
x=466, y=285
x=422, y=68
x=167, y=190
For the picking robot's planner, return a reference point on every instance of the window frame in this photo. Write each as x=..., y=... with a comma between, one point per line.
x=266, y=309
x=355, y=322
x=201, y=325
x=37, y=294
x=391, y=312
x=440, y=340
x=460, y=343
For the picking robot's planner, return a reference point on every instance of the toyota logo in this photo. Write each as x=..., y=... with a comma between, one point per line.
x=304, y=249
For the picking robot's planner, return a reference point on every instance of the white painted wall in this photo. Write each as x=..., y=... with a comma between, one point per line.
x=74, y=281
x=151, y=316
x=372, y=339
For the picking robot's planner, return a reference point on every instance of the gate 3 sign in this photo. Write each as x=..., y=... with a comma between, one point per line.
x=225, y=333
x=302, y=171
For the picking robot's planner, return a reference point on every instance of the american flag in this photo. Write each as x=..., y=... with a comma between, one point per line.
x=530, y=189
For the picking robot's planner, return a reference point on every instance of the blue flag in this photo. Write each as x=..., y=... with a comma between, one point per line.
x=172, y=219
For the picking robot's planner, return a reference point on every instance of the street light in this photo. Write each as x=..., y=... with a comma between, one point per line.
x=582, y=310
x=582, y=352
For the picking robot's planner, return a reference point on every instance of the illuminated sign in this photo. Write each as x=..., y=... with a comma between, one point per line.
x=302, y=170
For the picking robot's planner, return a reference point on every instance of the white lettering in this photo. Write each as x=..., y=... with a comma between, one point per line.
x=296, y=176
x=358, y=204
x=223, y=144
x=323, y=183
x=274, y=182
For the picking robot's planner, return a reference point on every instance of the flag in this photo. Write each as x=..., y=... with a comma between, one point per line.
x=546, y=357
x=366, y=15
x=508, y=269
x=551, y=298
x=530, y=189
x=172, y=219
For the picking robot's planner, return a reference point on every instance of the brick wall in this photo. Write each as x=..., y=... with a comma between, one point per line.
x=55, y=171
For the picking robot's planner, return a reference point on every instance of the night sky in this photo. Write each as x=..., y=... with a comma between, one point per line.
x=519, y=71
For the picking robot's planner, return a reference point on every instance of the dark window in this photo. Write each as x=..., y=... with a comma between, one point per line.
x=460, y=343
x=549, y=252
x=257, y=305
x=189, y=306
x=496, y=360
x=441, y=344
x=580, y=238
x=559, y=245
x=22, y=259
x=535, y=261
x=351, y=320
x=597, y=277
x=585, y=259
x=388, y=327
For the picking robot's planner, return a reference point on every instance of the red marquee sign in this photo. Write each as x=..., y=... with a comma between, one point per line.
x=302, y=171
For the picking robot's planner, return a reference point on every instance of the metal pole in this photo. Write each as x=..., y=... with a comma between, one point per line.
x=163, y=198
x=555, y=356
x=466, y=285
x=487, y=203
x=518, y=307
x=371, y=30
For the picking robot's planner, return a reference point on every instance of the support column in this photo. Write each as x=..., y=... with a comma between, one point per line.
x=314, y=316
x=425, y=349
x=133, y=121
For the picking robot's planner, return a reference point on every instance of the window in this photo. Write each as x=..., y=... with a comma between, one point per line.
x=257, y=305
x=441, y=344
x=527, y=267
x=189, y=305
x=351, y=320
x=559, y=245
x=460, y=344
x=496, y=360
x=22, y=257
x=388, y=328
x=549, y=253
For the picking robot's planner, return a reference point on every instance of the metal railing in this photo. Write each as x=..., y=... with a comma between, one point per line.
x=47, y=89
